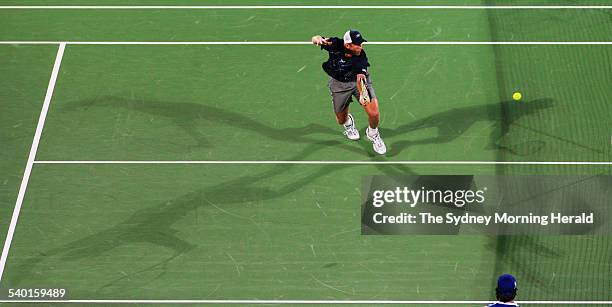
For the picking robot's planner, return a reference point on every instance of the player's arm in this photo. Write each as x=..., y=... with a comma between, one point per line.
x=321, y=41
x=364, y=97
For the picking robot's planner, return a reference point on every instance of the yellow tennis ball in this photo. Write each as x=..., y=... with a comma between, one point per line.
x=517, y=96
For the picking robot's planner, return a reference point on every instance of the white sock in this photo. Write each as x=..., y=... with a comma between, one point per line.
x=349, y=121
x=372, y=131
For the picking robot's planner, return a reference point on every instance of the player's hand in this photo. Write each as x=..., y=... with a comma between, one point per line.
x=318, y=40
x=363, y=101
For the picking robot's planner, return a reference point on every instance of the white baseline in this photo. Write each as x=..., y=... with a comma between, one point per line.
x=300, y=7
x=31, y=158
x=310, y=302
x=297, y=43
x=332, y=162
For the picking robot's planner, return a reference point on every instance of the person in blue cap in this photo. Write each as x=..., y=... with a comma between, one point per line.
x=347, y=68
x=505, y=291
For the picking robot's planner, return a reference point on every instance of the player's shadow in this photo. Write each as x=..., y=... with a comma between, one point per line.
x=155, y=225
x=452, y=123
x=188, y=115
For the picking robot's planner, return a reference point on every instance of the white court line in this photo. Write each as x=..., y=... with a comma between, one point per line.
x=293, y=43
x=31, y=157
x=311, y=302
x=268, y=7
x=334, y=162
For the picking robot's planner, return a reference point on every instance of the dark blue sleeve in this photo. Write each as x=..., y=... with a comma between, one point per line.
x=335, y=46
x=360, y=65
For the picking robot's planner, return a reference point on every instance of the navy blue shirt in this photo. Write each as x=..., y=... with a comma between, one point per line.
x=341, y=67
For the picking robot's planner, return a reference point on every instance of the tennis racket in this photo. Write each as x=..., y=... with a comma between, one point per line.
x=364, y=91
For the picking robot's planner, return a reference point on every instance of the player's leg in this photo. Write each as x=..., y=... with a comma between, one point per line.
x=341, y=99
x=373, y=112
x=372, y=132
x=342, y=116
x=345, y=119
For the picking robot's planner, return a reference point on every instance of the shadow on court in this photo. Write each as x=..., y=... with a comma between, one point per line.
x=155, y=225
x=188, y=115
x=452, y=123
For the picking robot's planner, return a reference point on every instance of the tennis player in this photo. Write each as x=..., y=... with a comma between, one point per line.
x=347, y=66
x=505, y=291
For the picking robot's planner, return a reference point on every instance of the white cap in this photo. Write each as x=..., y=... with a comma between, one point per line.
x=347, y=37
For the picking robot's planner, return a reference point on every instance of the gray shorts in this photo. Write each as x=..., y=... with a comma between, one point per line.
x=342, y=92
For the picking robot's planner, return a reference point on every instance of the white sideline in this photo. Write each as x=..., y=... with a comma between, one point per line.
x=251, y=7
x=332, y=162
x=293, y=43
x=311, y=302
x=31, y=157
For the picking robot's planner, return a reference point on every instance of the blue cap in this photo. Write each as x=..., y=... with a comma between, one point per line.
x=353, y=37
x=506, y=284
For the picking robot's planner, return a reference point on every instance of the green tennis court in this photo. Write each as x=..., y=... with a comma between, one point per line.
x=106, y=216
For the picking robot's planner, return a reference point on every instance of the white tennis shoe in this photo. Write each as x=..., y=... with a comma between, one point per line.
x=377, y=142
x=350, y=131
